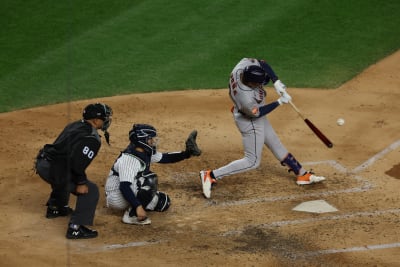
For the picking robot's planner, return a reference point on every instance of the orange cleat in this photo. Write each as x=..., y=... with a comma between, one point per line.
x=309, y=178
x=207, y=181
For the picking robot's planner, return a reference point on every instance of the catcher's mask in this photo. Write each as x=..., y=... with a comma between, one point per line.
x=144, y=136
x=254, y=74
x=98, y=111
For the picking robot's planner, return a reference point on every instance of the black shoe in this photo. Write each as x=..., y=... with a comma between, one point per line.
x=54, y=212
x=81, y=233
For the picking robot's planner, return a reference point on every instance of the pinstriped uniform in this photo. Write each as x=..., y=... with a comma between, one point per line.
x=127, y=166
x=156, y=157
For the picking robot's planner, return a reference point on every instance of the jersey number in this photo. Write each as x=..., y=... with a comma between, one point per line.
x=88, y=152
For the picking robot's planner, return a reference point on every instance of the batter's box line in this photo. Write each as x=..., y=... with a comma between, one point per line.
x=378, y=156
x=313, y=220
x=94, y=249
x=363, y=165
x=352, y=249
x=365, y=185
x=362, y=188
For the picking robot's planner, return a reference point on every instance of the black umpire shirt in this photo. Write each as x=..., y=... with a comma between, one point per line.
x=73, y=150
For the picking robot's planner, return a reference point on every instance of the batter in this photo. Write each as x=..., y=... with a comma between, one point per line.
x=249, y=109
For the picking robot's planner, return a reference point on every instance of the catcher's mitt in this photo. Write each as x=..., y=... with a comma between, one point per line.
x=191, y=146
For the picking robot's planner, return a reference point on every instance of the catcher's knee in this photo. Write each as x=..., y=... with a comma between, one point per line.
x=158, y=201
x=163, y=202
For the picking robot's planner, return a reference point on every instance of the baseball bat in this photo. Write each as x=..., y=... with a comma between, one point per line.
x=317, y=132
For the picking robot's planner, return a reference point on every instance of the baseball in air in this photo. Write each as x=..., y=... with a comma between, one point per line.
x=340, y=122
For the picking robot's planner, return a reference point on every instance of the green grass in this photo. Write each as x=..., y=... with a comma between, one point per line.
x=57, y=51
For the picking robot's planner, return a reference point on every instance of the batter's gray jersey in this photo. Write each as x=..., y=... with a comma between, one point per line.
x=245, y=99
x=256, y=131
x=127, y=166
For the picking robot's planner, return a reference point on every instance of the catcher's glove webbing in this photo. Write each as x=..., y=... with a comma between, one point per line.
x=191, y=145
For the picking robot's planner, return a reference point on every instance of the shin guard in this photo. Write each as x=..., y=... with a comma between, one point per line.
x=292, y=163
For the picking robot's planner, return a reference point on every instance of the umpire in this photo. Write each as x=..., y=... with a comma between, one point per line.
x=63, y=164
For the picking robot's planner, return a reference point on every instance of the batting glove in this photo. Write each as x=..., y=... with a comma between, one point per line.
x=284, y=99
x=279, y=87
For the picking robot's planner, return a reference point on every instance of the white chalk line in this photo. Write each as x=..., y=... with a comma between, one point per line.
x=280, y=198
x=336, y=217
x=378, y=156
x=329, y=218
x=93, y=249
x=312, y=220
x=365, y=187
x=352, y=249
x=130, y=244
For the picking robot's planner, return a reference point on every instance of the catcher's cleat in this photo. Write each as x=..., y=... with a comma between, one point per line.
x=309, y=178
x=133, y=219
x=54, y=212
x=81, y=233
x=207, y=181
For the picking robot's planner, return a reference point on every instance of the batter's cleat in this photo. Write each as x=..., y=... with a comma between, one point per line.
x=133, y=219
x=81, y=233
x=207, y=182
x=309, y=178
x=54, y=212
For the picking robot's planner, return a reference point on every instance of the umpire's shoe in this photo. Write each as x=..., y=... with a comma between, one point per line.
x=81, y=233
x=54, y=212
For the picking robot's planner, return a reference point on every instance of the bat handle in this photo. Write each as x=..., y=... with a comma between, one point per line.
x=296, y=109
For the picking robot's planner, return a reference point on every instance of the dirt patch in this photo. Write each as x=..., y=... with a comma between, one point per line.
x=249, y=221
x=394, y=171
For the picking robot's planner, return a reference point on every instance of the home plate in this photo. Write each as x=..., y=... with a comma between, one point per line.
x=315, y=206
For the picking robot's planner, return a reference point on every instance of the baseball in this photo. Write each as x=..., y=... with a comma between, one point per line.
x=340, y=122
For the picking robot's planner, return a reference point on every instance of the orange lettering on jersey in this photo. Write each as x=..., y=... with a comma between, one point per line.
x=234, y=85
x=254, y=110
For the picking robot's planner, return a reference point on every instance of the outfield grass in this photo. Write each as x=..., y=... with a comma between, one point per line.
x=57, y=51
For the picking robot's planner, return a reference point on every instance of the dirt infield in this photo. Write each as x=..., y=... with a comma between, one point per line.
x=249, y=221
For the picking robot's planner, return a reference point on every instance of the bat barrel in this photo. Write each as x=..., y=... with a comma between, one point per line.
x=319, y=134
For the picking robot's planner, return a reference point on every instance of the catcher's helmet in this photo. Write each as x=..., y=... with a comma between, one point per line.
x=140, y=134
x=254, y=73
x=98, y=111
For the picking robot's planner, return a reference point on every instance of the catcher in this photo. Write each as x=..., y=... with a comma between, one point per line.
x=131, y=186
